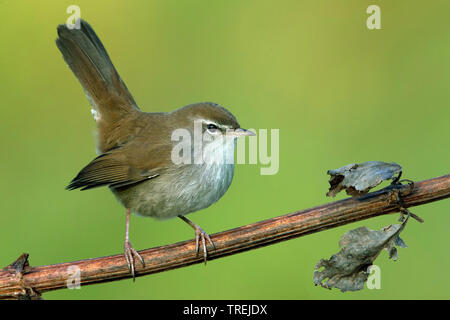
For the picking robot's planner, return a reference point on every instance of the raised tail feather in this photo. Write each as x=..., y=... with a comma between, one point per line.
x=87, y=58
x=114, y=108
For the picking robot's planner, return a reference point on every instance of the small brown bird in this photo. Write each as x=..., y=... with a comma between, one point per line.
x=135, y=148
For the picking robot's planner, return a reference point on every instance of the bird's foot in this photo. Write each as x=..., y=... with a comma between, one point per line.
x=130, y=255
x=201, y=235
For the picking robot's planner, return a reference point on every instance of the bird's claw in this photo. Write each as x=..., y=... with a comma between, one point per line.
x=201, y=235
x=130, y=254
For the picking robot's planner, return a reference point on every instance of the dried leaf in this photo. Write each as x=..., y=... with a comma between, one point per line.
x=348, y=269
x=358, y=179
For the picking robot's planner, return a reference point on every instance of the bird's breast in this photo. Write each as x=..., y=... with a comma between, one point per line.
x=181, y=189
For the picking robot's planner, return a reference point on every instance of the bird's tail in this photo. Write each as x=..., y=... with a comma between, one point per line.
x=87, y=58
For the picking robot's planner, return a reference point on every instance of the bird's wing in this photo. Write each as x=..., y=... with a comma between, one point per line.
x=118, y=167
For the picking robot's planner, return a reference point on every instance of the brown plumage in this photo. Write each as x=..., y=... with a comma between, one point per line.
x=135, y=147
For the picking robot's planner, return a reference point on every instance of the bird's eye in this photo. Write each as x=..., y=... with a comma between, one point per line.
x=212, y=127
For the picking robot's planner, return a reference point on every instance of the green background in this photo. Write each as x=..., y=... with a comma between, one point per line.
x=338, y=92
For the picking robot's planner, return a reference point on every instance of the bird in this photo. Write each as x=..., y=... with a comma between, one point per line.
x=135, y=149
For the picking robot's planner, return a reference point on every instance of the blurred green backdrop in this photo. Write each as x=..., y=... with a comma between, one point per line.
x=338, y=92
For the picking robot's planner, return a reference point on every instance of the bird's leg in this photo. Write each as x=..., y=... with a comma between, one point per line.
x=200, y=234
x=130, y=253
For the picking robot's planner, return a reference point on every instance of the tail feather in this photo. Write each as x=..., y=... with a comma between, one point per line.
x=113, y=105
x=87, y=58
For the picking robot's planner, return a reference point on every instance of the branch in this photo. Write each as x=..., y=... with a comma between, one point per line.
x=19, y=280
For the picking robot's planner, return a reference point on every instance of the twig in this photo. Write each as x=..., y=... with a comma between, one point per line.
x=22, y=281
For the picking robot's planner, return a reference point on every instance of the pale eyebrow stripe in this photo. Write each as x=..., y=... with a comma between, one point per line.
x=207, y=121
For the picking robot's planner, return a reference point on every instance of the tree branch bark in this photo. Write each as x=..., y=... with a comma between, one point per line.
x=19, y=280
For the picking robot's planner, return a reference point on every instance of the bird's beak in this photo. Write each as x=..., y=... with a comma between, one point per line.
x=240, y=133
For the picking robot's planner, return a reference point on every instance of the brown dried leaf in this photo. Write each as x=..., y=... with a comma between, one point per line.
x=358, y=179
x=348, y=269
